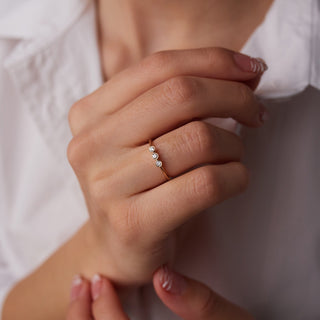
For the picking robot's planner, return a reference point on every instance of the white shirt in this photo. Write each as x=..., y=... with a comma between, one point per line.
x=260, y=249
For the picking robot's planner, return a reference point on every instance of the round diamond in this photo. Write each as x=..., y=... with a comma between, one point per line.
x=155, y=156
x=159, y=163
x=152, y=148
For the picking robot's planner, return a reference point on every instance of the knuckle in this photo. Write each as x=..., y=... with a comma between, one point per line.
x=198, y=137
x=74, y=152
x=81, y=150
x=76, y=114
x=85, y=148
x=180, y=89
x=207, y=184
x=157, y=61
x=216, y=57
x=73, y=113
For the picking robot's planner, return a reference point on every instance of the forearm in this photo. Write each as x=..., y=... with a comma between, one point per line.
x=44, y=294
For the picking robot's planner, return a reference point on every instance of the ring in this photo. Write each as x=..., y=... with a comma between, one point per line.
x=158, y=162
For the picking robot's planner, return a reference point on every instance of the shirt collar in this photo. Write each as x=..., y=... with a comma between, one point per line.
x=289, y=42
x=50, y=70
x=21, y=19
x=288, y=39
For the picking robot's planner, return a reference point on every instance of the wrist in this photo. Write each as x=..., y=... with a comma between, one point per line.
x=98, y=260
x=96, y=257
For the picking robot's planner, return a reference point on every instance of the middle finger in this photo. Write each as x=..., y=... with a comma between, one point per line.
x=183, y=99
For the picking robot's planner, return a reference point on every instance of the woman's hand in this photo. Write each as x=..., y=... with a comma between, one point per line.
x=189, y=299
x=134, y=215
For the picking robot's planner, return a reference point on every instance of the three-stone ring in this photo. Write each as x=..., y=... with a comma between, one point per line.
x=158, y=162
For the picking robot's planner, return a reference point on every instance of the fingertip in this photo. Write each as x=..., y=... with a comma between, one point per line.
x=80, y=299
x=106, y=303
x=193, y=300
x=80, y=287
x=85, y=290
x=101, y=286
x=169, y=284
x=168, y=299
x=76, y=286
x=96, y=282
x=173, y=290
x=249, y=64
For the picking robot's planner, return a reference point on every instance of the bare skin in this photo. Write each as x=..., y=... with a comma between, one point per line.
x=117, y=240
x=185, y=297
x=133, y=29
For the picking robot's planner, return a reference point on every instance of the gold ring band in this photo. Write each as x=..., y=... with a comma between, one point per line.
x=158, y=162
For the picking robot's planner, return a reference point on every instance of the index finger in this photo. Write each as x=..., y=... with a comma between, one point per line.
x=218, y=63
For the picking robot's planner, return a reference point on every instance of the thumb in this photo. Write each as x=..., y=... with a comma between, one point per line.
x=191, y=299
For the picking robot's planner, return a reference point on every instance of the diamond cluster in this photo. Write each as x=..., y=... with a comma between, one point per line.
x=155, y=156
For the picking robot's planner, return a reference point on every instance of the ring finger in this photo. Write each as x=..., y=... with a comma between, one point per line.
x=194, y=144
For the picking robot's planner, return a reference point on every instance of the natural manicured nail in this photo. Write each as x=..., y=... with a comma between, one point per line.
x=76, y=287
x=249, y=64
x=96, y=286
x=171, y=281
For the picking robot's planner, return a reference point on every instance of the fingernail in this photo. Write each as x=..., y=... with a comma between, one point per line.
x=95, y=286
x=264, y=114
x=171, y=281
x=249, y=64
x=76, y=287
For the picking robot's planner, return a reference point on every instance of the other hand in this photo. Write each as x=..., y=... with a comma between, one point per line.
x=187, y=298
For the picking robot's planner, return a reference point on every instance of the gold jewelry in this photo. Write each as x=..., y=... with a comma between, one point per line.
x=158, y=162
